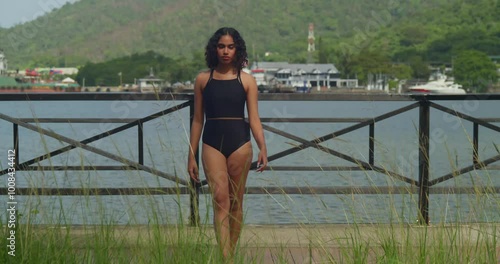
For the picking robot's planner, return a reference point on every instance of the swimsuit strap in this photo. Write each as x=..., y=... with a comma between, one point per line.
x=209, y=79
x=239, y=77
x=211, y=74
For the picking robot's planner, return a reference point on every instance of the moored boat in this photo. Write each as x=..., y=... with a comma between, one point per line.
x=439, y=86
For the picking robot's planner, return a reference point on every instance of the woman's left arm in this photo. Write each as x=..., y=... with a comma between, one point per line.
x=254, y=119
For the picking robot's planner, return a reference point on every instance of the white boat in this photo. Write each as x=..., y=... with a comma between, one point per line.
x=439, y=86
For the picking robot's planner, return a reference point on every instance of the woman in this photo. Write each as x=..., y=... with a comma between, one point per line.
x=220, y=95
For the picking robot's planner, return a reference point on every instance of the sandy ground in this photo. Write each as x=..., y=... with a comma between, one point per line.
x=323, y=243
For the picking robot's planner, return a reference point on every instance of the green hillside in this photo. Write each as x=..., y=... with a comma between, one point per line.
x=369, y=32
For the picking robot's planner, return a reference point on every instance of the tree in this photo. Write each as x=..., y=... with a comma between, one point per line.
x=369, y=62
x=401, y=71
x=323, y=51
x=419, y=67
x=344, y=61
x=474, y=70
x=413, y=35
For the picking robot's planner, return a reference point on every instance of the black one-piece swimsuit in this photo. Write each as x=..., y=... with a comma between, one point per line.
x=225, y=99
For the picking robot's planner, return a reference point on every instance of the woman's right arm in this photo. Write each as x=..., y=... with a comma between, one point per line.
x=196, y=126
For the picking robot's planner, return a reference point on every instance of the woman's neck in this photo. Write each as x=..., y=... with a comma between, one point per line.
x=226, y=70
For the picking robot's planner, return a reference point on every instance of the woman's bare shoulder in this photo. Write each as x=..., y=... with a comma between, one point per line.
x=247, y=78
x=203, y=76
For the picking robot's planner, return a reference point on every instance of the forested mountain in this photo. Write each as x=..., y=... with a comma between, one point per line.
x=99, y=30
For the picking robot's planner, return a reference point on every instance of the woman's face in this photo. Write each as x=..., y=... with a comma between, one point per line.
x=226, y=49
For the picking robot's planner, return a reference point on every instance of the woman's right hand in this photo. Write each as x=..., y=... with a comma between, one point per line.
x=193, y=170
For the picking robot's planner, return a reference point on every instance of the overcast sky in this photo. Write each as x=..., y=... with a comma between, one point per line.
x=14, y=12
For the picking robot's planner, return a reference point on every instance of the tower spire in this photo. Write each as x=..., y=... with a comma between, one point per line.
x=310, y=40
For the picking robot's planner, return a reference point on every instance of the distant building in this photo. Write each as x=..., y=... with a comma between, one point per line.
x=151, y=83
x=3, y=63
x=63, y=71
x=319, y=76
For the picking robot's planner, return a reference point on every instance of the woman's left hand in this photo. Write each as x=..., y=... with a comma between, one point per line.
x=262, y=161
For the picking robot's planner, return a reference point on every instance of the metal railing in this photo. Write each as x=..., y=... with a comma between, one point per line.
x=424, y=186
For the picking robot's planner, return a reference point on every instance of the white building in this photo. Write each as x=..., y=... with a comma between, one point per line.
x=319, y=76
x=3, y=63
x=151, y=84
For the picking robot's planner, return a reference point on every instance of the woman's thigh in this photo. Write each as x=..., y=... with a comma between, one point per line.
x=215, y=168
x=238, y=165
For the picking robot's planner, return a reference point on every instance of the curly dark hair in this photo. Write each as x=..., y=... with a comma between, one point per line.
x=241, y=49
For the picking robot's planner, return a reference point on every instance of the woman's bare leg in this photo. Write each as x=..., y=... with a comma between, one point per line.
x=215, y=168
x=238, y=165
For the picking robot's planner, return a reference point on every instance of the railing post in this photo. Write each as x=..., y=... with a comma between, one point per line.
x=194, y=219
x=475, y=140
x=140, y=139
x=16, y=143
x=371, y=144
x=423, y=162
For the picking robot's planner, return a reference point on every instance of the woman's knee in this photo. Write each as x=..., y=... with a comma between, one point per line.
x=220, y=195
x=221, y=198
x=236, y=202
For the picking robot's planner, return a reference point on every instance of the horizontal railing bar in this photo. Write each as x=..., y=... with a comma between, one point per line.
x=129, y=120
x=128, y=96
x=489, y=119
x=373, y=97
x=263, y=119
x=313, y=120
x=361, y=190
x=332, y=97
x=370, y=190
x=78, y=120
x=80, y=96
x=272, y=168
x=75, y=168
x=99, y=191
x=307, y=168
